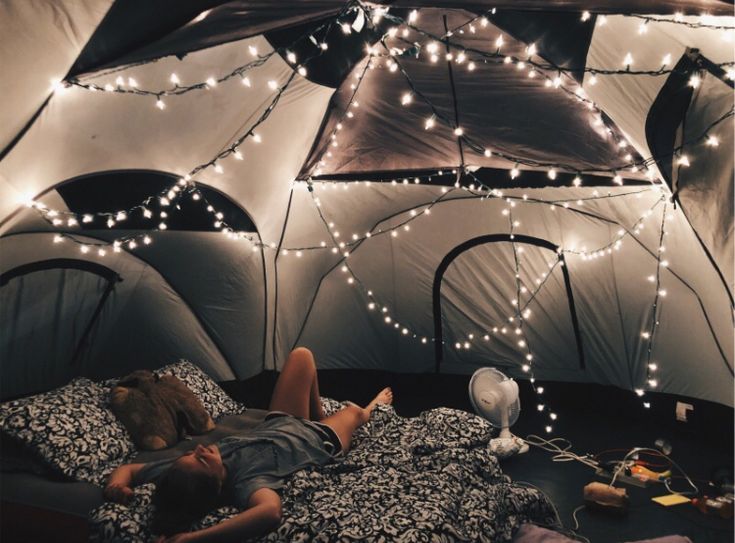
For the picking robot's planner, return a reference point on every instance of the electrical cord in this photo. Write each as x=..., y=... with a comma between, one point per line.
x=574, y=517
x=561, y=448
x=667, y=481
x=559, y=526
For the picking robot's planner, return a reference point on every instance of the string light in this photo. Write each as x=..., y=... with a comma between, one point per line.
x=649, y=335
x=651, y=367
x=569, y=71
x=212, y=82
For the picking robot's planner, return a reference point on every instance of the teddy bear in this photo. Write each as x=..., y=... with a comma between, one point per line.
x=158, y=411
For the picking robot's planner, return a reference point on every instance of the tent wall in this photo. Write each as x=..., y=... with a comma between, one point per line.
x=53, y=35
x=237, y=311
x=144, y=323
x=706, y=189
x=114, y=132
x=613, y=294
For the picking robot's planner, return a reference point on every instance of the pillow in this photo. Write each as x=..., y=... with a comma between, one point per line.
x=215, y=400
x=70, y=429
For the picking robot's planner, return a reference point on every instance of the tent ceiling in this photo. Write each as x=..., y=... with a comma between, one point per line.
x=499, y=108
x=129, y=33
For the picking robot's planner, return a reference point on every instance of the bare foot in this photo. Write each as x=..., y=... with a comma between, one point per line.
x=384, y=397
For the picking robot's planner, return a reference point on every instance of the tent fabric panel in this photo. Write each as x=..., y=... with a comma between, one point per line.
x=613, y=297
x=626, y=99
x=705, y=188
x=128, y=25
x=143, y=324
x=476, y=297
x=44, y=316
x=118, y=132
x=223, y=23
x=500, y=108
x=714, y=7
x=560, y=38
x=53, y=34
x=299, y=273
x=229, y=303
x=190, y=26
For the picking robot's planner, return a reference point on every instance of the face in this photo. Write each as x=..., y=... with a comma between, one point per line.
x=206, y=460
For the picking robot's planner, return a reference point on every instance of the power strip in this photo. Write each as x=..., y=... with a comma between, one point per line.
x=621, y=478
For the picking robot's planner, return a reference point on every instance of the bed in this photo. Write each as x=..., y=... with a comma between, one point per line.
x=426, y=478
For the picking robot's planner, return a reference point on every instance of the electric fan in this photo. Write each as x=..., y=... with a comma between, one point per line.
x=495, y=397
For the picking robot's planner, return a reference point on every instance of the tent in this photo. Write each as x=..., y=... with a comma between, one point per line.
x=411, y=187
x=429, y=187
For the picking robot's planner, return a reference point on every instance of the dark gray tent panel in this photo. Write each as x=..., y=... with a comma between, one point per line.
x=52, y=309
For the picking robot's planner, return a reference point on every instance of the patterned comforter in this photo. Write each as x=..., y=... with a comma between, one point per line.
x=428, y=478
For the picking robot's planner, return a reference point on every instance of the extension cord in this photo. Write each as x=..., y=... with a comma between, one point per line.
x=621, y=478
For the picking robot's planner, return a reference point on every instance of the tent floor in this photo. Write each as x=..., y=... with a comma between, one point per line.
x=593, y=420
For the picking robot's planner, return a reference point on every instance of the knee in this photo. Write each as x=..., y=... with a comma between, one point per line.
x=359, y=416
x=302, y=352
x=302, y=357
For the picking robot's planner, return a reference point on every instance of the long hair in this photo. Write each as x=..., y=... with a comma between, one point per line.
x=181, y=497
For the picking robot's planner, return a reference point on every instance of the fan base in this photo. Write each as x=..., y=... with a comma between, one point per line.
x=504, y=447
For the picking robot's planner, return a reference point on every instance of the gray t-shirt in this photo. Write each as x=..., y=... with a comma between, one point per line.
x=262, y=458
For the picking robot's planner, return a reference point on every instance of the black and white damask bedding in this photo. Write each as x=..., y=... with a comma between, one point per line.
x=428, y=478
x=72, y=431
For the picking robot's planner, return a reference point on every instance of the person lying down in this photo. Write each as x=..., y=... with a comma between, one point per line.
x=247, y=470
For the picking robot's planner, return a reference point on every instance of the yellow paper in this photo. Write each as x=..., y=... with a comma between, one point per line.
x=671, y=499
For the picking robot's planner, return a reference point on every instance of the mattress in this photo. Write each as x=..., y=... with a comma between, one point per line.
x=426, y=478
x=25, y=482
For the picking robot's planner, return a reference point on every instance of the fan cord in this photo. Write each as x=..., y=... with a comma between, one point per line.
x=560, y=447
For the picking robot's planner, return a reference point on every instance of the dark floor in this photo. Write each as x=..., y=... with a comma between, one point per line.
x=594, y=419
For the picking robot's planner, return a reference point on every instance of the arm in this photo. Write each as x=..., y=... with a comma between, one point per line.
x=120, y=483
x=262, y=515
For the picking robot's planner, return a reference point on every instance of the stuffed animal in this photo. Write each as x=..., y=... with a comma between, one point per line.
x=158, y=411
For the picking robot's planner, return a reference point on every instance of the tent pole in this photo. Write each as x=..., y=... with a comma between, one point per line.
x=454, y=96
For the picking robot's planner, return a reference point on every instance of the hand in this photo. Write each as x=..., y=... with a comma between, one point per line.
x=118, y=493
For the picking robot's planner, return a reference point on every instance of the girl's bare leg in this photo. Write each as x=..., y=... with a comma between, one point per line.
x=347, y=420
x=297, y=388
x=297, y=393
